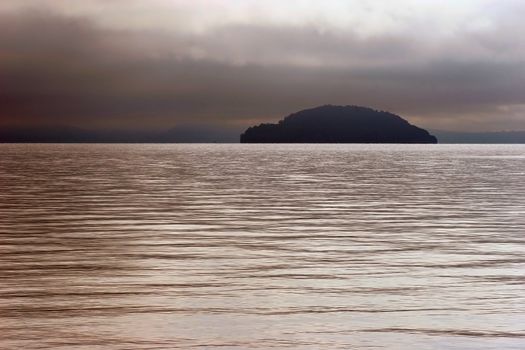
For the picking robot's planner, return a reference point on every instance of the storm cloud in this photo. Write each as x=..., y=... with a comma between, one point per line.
x=114, y=66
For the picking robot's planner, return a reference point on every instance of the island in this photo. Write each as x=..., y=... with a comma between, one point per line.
x=338, y=124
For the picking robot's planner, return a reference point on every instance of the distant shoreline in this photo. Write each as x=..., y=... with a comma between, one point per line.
x=247, y=144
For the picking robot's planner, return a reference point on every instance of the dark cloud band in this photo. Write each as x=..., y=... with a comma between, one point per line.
x=70, y=71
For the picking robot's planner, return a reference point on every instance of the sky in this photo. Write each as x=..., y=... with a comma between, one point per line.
x=154, y=64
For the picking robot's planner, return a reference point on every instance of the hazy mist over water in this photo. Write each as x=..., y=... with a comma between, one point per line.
x=262, y=246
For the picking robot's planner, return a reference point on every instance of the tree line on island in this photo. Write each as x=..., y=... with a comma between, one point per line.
x=338, y=124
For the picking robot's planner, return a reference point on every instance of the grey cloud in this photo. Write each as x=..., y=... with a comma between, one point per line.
x=62, y=70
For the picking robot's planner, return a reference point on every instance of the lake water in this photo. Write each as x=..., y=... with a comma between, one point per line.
x=262, y=246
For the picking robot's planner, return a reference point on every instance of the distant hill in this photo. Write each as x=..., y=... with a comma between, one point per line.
x=338, y=124
x=187, y=133
x=480, y=137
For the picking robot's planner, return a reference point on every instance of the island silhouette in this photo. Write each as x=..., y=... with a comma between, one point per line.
x=338, y=124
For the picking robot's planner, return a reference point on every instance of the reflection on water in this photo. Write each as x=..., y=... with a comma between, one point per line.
x=262, y=246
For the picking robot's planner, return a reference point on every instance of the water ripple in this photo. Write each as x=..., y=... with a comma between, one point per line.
x=262, y=246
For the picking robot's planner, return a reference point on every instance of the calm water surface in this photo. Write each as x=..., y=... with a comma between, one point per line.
x=262, y=246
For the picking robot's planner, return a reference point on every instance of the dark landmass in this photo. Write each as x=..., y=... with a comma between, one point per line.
x=480, y=137
x=206, y=133
x=65, y=134
x=338, y=124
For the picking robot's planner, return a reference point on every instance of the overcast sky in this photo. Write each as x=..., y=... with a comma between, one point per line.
x=154, y=64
